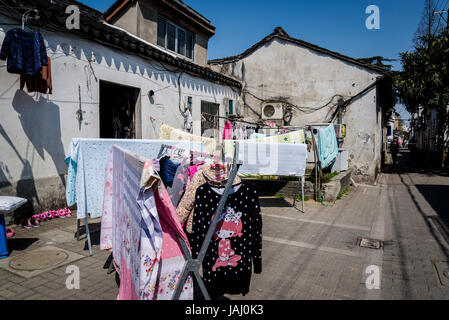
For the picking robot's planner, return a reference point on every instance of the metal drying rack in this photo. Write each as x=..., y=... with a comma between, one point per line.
x=193, y=265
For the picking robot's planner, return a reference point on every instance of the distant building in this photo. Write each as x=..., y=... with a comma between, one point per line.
x=424, y=128
x=309, y=84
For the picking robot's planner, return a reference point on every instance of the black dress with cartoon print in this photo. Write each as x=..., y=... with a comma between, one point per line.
x=237, y=240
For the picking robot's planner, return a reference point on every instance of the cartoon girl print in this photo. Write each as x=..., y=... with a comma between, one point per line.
x=229, y=226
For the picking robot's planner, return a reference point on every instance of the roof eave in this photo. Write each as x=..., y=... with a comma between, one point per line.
x=301, y=43
x=183, y=9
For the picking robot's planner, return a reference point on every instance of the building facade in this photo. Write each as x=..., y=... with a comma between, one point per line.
x=100, y=73
x=315, y=85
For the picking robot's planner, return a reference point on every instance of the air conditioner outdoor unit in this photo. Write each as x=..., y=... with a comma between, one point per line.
x=233, y=107
x=273, y=111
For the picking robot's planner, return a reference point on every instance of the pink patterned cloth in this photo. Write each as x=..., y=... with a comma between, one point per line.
x=142, y=229
x=106, y=219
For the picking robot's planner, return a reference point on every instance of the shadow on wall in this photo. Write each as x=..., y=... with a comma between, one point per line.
x=4, y=172
x=29, y=191
x=41, y=123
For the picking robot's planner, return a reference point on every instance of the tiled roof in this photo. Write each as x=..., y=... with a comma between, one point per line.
x=279, y=33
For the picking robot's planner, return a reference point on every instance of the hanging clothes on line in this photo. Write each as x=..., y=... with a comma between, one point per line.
x=40, y=82
x=146, y=250
x=25, y=52
x=215, y=173
x=169, y=133
x=327, y=146
x=245, y=133
x=183, y=177
x=239, y=134
x=227, y=132
x=183, y=155
x=186, y=161
x=86, y=160
x=237, y=242
x=146, y=149
x=188, y=121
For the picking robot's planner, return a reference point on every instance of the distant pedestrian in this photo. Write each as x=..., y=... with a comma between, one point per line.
x=394, y=148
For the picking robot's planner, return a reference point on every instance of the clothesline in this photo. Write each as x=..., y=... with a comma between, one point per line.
x=249, y=122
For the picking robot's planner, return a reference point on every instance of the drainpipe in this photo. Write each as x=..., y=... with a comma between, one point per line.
x=340, y=120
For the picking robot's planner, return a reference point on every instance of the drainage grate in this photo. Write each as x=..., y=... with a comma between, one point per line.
x=369, y=243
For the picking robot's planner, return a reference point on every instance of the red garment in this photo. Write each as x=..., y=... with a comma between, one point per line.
x=40, y=82
x=227, y=132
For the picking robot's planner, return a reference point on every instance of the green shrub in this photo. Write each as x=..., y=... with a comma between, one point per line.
x=299, y=198
x=345, y=191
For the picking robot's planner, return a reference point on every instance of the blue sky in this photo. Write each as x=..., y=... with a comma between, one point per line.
x=335, y=25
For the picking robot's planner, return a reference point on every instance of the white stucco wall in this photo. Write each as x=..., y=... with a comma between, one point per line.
x=310, y=79
x=35, y=129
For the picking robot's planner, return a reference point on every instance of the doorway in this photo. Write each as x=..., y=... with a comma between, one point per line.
x=119, y=111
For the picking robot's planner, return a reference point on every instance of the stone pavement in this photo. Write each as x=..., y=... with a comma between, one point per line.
x=311, y=255
x=417, y=229
x=95, y=284
x=315, y=255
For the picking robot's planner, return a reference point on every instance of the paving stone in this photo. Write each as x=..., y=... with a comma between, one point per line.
x=4, y=285
x=18, y=289
x=7, y=294
x=35, y=282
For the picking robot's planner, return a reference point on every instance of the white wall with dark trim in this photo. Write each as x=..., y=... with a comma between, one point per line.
x=36, y=129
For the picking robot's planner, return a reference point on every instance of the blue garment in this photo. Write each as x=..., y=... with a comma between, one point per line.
x=25, y=51
x=71, y=162
x=169, y=170
x=3, y=237
x=87, y=159
x=327, y=146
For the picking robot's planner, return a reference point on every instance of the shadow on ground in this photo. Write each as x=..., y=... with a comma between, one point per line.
x=436, y=196
x=20, y=244
x=412, y=162
x=94, y=231
x=274, y=202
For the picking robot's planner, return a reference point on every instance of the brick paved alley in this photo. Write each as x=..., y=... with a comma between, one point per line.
x=311, y=255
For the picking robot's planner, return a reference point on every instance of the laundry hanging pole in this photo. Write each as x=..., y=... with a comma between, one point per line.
x=194, y=265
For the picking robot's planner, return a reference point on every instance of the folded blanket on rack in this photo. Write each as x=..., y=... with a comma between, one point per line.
x=169, y=133
x=295, y=137
x=278, y=159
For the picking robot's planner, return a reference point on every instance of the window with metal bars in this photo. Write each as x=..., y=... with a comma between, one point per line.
x=209, y=119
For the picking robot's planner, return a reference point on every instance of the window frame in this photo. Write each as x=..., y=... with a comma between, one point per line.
x=186, y=37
